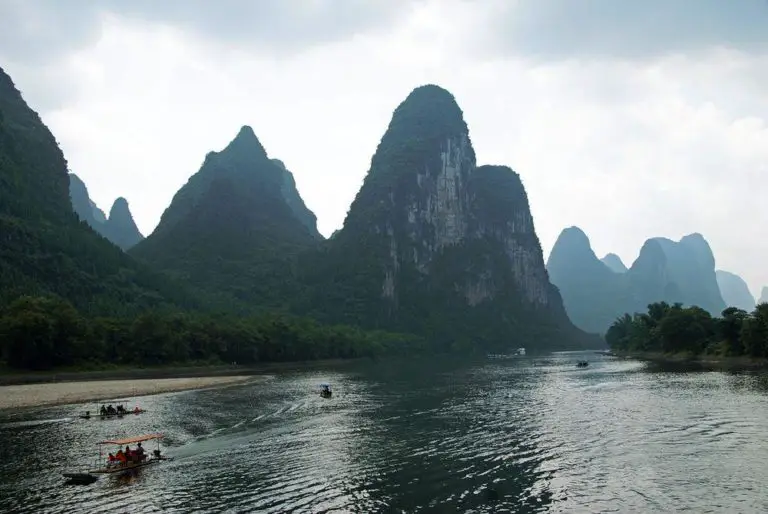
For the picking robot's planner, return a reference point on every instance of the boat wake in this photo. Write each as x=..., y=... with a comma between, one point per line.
x=33, y=423
x=237, y=433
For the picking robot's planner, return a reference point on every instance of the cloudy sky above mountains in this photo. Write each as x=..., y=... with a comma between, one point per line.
x=627, y=119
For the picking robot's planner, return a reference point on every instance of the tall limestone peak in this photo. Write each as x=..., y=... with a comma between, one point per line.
x=650, y=275
x=434, y=245
x=245, y=146
x=45, y=248
x=422, y=165
x=614, y=263
x=572, y=247
x=763, y=295
x=120, y=228
x=699, y=249
x=592, y=293
x=243, y=161
x=690, y=265
x=735, y=290
x=230, y=228
x=120, y=209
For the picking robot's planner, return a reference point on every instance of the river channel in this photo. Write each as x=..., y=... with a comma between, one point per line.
x=534, y=434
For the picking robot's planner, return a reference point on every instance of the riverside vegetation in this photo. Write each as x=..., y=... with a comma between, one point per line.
x=674, y=329
x=40, y=333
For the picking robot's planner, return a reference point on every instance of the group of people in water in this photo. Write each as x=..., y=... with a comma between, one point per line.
x=123, y=458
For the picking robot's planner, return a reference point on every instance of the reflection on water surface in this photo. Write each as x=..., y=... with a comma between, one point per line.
x=527, y=435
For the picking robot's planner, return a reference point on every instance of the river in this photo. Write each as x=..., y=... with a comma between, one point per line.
x=534, y=434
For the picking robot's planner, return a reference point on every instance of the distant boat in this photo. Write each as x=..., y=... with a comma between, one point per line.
x=325, y=390
x=582, y=364
x=520, y=352
x=106, y=410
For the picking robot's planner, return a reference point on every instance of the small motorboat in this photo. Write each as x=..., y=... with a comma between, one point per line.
x=582, y=364
x=325, y=390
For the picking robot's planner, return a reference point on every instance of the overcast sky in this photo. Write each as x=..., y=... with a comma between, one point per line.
x=628, y=119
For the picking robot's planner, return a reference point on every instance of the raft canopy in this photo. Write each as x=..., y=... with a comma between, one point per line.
x=132, y=440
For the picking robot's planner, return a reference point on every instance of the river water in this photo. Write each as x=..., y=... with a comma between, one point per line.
x=527, y=435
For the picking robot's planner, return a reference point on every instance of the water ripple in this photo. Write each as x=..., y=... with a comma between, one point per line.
x=523, y=436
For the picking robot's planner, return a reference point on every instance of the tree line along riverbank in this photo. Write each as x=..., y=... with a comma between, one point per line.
x=674, y=332
x=45, y=332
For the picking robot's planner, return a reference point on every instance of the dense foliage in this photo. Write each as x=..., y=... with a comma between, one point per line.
x=44, y=248
x=666, y=328
x=230, y=229
x=45, y=332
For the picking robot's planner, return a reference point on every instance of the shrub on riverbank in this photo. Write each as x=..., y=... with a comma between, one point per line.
x=674, y=329
x=46, y=332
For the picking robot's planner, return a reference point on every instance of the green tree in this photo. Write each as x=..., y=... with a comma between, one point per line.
x=730, y=330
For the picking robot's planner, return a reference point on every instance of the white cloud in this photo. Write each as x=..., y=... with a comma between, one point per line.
x=624, y=147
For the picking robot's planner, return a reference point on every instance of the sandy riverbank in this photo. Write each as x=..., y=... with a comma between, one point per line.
x=31, y=395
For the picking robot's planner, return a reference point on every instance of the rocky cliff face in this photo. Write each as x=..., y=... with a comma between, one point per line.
x=735, y=291
x=435, y=245
x=614, y=263
x=119, y=228
x=235, y=227
x=500, y=212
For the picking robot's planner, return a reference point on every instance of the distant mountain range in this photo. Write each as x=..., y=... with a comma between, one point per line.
x=597, y=291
